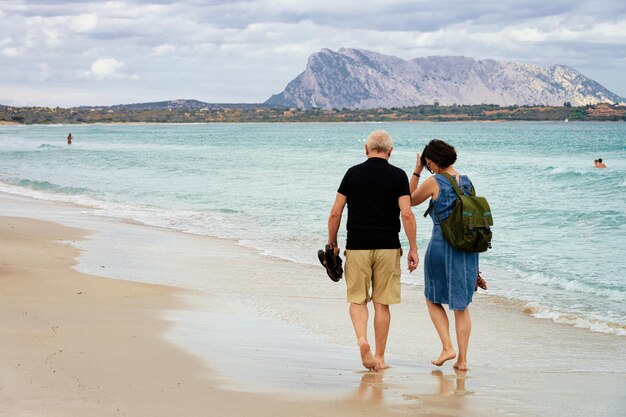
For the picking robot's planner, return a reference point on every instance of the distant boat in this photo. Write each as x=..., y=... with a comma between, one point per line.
x=566, y=120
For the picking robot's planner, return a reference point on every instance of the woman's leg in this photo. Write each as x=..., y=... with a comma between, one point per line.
x=463, y=324
x=440, y=320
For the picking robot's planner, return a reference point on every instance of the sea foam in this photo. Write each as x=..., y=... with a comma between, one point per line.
x=598, y=325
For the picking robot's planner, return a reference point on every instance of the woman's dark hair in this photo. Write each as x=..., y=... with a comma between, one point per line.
x=439, y=152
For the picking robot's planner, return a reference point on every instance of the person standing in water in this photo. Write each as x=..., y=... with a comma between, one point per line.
x=69, y=139
x=600, y=164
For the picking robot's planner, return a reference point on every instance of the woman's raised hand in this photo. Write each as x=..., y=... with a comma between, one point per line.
x=418, y=164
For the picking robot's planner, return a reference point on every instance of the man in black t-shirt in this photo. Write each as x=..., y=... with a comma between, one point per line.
x=377, y=195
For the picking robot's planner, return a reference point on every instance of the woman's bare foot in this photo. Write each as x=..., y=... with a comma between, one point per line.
x=381, y=363
x=368, y=360
x=445, y=355
x=461, y=366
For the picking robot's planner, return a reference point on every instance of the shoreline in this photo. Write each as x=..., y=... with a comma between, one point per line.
x=261, y=113
x=14, y=124
x=293, y=338
x=528, y=308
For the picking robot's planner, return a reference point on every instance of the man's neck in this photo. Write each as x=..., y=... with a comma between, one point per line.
x=382, y=155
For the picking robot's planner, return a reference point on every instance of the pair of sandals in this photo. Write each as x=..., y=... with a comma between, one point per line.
x=480, y=282
x=329, y=258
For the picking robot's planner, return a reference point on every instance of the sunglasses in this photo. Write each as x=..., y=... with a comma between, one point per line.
x=428, y=167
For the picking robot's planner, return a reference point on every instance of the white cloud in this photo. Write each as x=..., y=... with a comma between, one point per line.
x=83, y=23
x=51, y=37
x=107, y=69
x=12, y=51
x=163, y=49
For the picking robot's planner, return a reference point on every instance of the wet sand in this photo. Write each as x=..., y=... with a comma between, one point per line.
x=76, y=345
x=231, y=332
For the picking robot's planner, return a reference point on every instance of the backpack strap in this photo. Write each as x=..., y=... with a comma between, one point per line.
x=430, y=208
x=473, y=190
x=456, y=187
x=452, y=181
x=431, y=205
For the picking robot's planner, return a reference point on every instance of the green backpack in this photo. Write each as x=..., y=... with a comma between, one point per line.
x=468, y=228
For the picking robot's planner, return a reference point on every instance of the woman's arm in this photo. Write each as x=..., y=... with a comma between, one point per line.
x=415, y=177
x=425, y=191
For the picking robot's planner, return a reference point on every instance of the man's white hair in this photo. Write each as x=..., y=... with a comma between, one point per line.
x=379, y=141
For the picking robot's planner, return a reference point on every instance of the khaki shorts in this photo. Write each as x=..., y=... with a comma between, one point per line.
x=378, y=269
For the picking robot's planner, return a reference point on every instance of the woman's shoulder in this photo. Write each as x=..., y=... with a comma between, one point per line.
x=465, y=178
x=444, y=178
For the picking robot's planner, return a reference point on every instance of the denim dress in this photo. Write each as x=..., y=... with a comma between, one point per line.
x=449, y=274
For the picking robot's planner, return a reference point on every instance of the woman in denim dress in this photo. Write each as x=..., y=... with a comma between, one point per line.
x=449, y=274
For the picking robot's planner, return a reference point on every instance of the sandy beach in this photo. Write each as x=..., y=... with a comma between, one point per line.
x=76, y=345
x=104, y=318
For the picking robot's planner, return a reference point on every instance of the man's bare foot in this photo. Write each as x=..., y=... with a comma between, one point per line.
x=445, y=355
x=461, y=366
x=368, y=360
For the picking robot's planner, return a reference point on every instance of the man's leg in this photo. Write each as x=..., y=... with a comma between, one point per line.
x=359, y=315
x=382, y=319
x=358, y=276
x=385, y=291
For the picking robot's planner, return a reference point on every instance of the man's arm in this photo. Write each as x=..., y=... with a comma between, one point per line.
x=334, y=220
x=410, y=228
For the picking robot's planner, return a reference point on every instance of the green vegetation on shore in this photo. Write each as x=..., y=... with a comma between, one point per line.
x=436, y=113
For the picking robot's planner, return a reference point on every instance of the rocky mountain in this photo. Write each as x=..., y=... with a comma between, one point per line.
x=356, y=78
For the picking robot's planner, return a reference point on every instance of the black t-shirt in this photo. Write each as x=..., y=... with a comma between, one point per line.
x=372, y=190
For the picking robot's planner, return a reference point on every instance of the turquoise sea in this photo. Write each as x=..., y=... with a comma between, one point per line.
x=560, y=224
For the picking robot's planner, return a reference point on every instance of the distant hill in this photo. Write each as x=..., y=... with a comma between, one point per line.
x=356, y=78
x=178, y=104
x=434, y=113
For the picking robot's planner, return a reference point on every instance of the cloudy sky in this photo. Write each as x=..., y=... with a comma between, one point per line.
x=67, y=53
